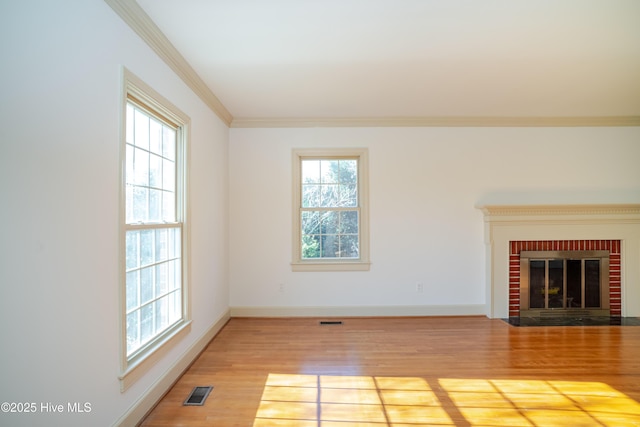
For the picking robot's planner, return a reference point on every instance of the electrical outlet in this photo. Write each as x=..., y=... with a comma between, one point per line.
x=419, y=287
x=281, y=288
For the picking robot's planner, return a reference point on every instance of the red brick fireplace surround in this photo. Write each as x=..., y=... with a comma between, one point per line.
x=512, y=230
x=613, y=246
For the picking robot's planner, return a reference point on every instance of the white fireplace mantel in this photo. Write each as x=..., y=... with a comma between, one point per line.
x=505, y=223
x=497, y=213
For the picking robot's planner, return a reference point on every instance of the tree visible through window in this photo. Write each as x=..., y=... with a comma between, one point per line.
x=330, y=208
x=330, y=217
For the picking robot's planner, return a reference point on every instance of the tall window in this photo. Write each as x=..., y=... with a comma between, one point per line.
x=154, y=221
x=331, y=220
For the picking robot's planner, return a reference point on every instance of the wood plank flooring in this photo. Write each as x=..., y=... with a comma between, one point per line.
x=443, y=371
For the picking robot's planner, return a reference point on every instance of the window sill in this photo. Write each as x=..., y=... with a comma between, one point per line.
x=136, y=369
x=330, y=266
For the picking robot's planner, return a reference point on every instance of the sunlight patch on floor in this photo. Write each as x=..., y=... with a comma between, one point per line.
x=364, y=401
x=541, y=403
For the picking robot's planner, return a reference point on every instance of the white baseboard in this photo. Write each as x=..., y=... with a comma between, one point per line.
x=155, y=392
x=361, y=311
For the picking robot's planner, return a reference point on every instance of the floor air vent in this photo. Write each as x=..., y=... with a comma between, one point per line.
x=331, y=322
x=198, y=396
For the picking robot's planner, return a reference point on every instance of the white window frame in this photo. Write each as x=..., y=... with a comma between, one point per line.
x=347, y=264
x=141, y=360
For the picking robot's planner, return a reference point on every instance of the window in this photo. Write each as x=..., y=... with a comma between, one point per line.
x=331, y=216
x=154, y=226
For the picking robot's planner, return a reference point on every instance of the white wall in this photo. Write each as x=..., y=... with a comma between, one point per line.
x=424, y=186
x=59, y=187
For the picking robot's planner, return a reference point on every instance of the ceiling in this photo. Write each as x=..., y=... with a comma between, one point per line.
x=392, y=59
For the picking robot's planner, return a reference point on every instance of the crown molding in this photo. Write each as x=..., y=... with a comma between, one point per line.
x=134, y=16
x=451, y=121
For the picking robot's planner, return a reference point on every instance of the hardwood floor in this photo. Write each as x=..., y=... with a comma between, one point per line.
x=444, y=371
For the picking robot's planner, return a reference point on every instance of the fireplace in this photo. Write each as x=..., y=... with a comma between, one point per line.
x=584, y=260
x=564, y=278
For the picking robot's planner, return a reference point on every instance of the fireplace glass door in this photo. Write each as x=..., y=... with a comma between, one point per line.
x=556, y=281
x=547, y=284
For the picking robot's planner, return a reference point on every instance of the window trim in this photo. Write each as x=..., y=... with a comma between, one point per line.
x=134, y=89
x=360, y=264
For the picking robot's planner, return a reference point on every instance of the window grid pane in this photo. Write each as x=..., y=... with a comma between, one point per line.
x=330, y=234
x=329, y=208
x=155, y=254
x=329, y=183
x=150, y=169
x=153, y=277
x=153, y=284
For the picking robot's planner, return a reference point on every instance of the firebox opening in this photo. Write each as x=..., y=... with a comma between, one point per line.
x=564, y=283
